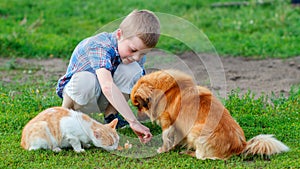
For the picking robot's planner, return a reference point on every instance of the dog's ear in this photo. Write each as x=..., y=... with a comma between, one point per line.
x=158, y=102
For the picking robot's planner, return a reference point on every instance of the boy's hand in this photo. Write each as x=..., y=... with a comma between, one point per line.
x=141, y=131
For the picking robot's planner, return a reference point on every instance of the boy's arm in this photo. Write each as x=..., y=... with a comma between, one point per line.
x=116, y=98
x=114, y=95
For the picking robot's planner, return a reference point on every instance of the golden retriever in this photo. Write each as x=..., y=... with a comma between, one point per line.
x=190, y=115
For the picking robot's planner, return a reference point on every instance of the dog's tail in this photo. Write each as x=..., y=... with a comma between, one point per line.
x=264, y=145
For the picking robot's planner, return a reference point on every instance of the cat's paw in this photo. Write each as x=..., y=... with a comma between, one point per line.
x=79, y=150
x=86, y=145
x=56, y=150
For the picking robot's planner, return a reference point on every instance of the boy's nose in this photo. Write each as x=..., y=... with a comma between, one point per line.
x=136, y=57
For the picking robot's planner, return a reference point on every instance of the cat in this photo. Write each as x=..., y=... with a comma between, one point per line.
x=190, y=115
x=57, y=127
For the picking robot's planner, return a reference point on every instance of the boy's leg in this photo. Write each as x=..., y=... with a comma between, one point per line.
x=69, y=103
x=81, y=93
x=127, y=75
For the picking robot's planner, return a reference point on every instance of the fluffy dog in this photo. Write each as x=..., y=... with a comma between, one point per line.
x=190, y=115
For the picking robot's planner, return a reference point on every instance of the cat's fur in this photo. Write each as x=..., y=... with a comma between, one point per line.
x=57, y=128
x=190, y=115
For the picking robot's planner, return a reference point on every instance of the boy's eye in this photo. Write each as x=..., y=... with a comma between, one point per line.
x=133, y=50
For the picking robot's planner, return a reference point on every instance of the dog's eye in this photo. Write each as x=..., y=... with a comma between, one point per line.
x=145, y=103
x=142, y=103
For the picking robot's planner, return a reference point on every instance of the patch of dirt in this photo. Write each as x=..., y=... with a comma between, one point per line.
x=221, y=74
x=224, y=74
x=22, y=70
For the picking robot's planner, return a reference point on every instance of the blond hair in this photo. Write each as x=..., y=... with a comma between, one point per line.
x=143, y=24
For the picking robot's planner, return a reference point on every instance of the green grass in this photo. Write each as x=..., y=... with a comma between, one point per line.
x=20, y=102
x=53, y=28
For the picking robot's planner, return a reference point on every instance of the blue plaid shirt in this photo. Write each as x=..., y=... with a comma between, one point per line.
x=99, y=51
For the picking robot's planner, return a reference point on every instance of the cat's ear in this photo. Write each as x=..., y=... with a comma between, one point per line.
x=113, y=123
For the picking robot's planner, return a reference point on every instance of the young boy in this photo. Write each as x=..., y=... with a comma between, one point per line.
x=107, y=65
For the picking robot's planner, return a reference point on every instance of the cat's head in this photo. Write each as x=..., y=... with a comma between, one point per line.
x=106, y=136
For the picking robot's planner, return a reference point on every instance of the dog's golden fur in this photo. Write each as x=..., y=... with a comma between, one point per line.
x=190, y=115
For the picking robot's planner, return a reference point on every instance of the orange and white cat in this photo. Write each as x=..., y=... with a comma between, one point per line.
x=190, y=115
x=57, y=128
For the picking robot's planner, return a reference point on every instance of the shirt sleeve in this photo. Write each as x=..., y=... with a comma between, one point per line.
x=100, y=58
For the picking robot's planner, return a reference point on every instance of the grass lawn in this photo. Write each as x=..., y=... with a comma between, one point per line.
x=23, y=98
x=47, y=29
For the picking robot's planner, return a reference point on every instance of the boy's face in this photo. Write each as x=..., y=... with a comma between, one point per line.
x=131, y=49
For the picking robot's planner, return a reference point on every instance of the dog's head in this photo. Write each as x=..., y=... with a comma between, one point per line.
x=150, y=93
x=148, y=100
x=141, y=96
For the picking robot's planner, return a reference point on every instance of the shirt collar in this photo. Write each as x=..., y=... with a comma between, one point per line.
x=114, y=41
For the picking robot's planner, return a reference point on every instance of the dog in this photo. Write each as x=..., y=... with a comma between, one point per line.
x=191, y=116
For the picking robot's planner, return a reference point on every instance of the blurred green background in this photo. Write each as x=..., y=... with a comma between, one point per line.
x=52, y=28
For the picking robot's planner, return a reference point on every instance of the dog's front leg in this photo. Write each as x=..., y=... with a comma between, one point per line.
x=168, y=136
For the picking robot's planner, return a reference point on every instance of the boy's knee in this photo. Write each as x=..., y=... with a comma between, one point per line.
x=127, y=75
x=82, y=87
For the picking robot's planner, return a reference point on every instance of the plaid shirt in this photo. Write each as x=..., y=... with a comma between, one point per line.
x=99, y=51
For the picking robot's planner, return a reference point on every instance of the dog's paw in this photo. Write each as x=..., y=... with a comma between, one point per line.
x=188, y=152
x=161, y=150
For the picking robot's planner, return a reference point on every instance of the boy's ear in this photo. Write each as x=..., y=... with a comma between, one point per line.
x=119, y=34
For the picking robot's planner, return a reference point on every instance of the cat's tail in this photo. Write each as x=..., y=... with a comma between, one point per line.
x=264, y=145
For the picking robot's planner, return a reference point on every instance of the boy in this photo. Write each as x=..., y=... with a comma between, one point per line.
x=107, y=65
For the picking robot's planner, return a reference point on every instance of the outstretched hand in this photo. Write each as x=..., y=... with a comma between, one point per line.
x=141, y=131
